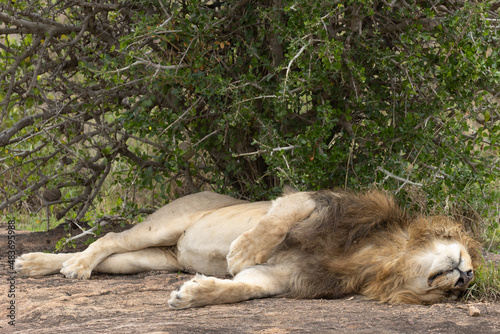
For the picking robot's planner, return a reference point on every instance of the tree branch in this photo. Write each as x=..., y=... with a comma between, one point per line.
x=391, y=175
x=7, y=134
x=101, y=222
x=41, y=27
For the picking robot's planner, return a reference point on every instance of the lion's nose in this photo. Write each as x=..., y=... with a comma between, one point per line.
x=465, y=278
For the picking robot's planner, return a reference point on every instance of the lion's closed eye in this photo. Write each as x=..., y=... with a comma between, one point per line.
x=438, y=274
x=434, y=276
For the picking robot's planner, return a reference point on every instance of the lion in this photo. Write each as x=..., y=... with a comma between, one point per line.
x=324, y=244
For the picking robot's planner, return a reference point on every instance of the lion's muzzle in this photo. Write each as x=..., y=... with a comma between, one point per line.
x=464, y=279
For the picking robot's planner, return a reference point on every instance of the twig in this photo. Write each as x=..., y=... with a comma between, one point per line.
x=290, y=64
x=95, y=191
x=351, y=150
x=287, y=148
x=494, y=234
x=101, y=222
x=147, y=63
x=255, y=98
x=183, y=114
x=184, y=55
x=204, y=138
x=405, y=181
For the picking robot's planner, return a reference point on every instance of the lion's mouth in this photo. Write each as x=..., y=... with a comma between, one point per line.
x=463, y=281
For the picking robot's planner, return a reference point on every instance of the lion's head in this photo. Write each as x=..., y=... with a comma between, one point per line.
x=437, y=263
x=442, y=272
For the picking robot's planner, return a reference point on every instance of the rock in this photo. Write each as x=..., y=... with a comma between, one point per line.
x=474, y=311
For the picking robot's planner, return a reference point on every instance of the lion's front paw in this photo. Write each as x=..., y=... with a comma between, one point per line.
x=193, y=293
x=76, y=267
x=180, y=299
x=245, y=253
x=32, y=264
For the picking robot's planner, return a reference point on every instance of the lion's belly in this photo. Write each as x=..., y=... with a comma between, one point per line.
x=204, y=245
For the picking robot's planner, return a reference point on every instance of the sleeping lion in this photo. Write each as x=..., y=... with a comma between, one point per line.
x=321, y=244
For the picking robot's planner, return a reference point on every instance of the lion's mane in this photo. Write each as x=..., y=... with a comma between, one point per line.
x=364, y=243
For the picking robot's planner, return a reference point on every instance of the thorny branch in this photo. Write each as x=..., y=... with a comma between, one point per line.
x=398, y=178
x=99, y=223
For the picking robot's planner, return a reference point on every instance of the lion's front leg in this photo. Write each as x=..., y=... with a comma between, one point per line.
x=256, y=245
x=256, y=282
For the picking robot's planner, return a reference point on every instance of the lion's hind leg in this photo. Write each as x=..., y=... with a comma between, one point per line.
x=256, y=282
x=162, y=228
x=156, y=258
x=40, y=264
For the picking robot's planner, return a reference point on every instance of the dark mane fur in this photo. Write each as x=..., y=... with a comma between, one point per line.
x=348, y=217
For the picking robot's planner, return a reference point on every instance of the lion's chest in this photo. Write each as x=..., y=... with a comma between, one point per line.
x=204, y=245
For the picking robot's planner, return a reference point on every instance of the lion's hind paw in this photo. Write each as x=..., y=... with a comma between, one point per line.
x=34, y=264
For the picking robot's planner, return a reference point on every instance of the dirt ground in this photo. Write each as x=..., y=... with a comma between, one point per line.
x=138, y=304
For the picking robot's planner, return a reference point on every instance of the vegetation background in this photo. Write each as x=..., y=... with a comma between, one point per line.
x=112, y=108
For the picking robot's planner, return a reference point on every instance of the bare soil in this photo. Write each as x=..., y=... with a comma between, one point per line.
x=138, y=304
